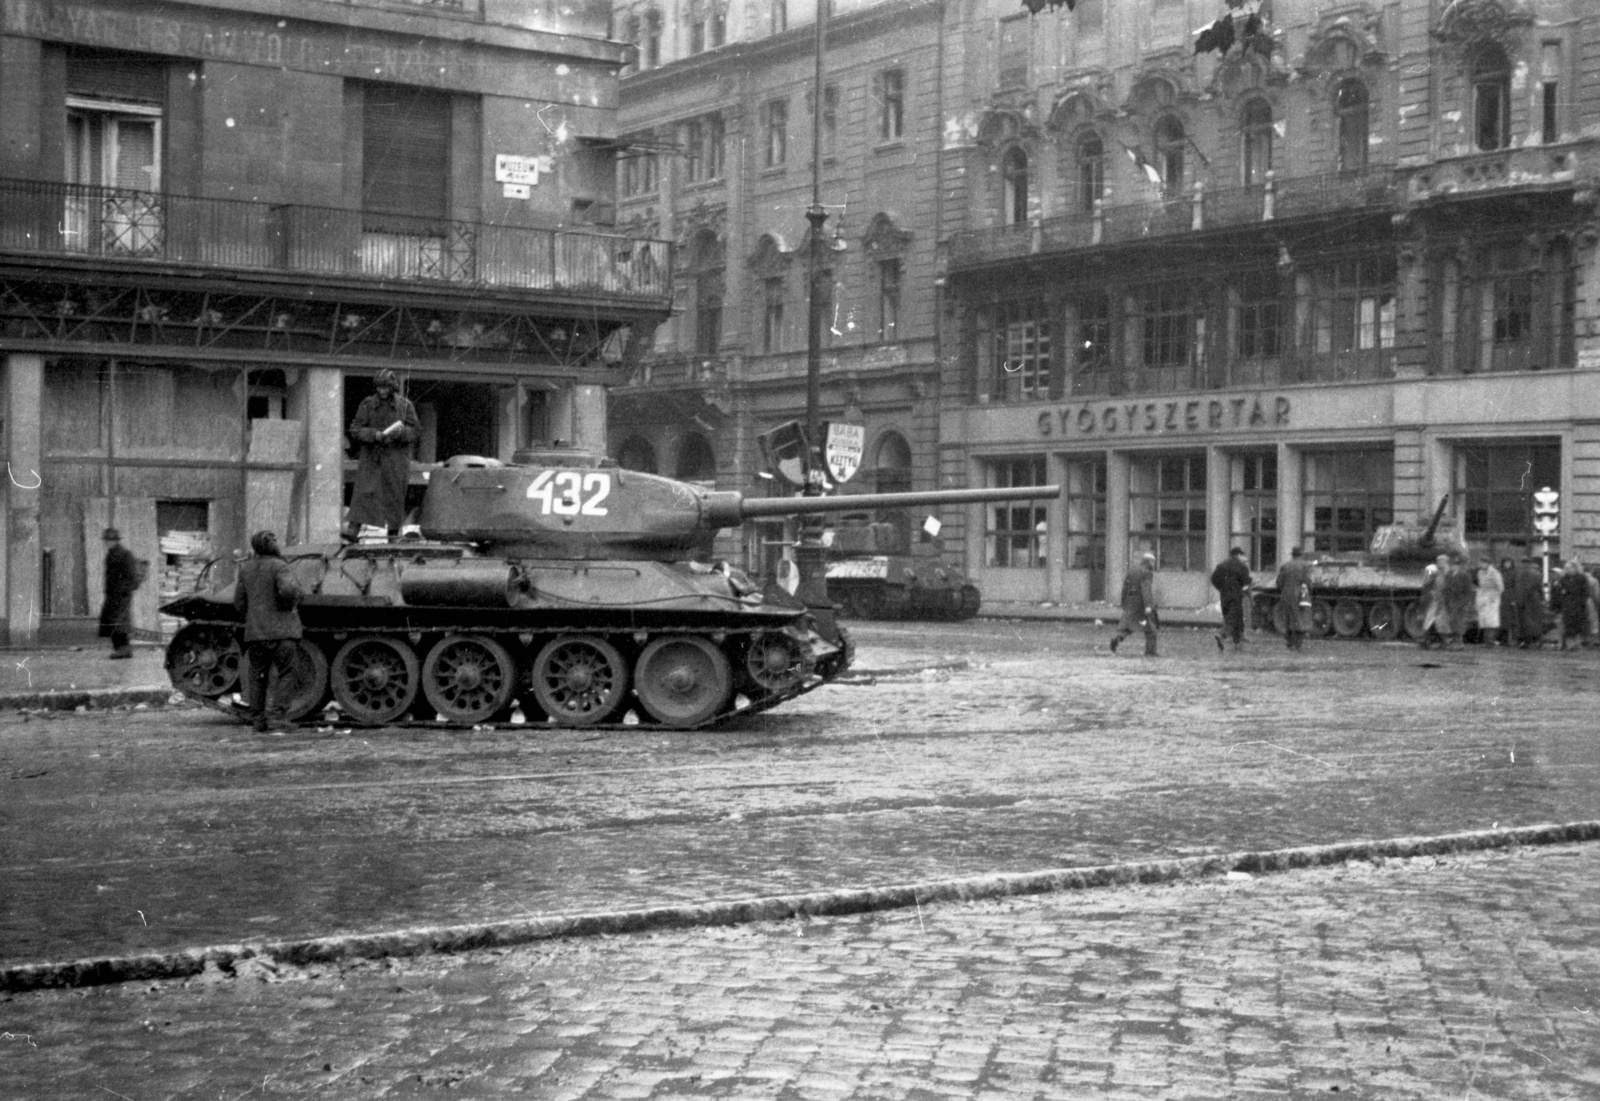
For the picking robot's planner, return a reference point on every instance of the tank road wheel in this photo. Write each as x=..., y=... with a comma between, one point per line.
x=774, y=662
x=1321, y=618
x=203, y=661
x=1412, y=614
x=468, y=678
x=303, y=693
x=375, y=679
x=682, y=680
x=1348, y=618
x=1383, y=620
x=579, y=680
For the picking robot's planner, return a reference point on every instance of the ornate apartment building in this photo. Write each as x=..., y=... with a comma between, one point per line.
x=219, y=220
x=1280, y=295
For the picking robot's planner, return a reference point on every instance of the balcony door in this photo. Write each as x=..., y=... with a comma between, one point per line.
x=113, y=173
x=405, y=182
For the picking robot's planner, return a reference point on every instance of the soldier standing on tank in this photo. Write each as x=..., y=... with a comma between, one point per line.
x=1139, y=604
x=1232, y=581
x=268, y=596
x=383, y=430
x=1294, y=598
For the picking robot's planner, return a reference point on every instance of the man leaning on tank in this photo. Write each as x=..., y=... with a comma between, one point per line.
x=268, y=597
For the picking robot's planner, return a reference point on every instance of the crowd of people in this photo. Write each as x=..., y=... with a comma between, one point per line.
x=1460, y=602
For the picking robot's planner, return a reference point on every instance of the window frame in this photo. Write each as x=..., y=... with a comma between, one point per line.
x=891, y=88
x=1255, y=141
x=1352, y=124
x=1179, y=546
x=775, y=125
x=891, y=274
x=1011, y=529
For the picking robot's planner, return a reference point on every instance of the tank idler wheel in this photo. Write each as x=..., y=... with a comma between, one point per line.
x=774, y=662
x=1348, y=618
x=302, y=693
x=1321, y=618
x=682, y=680
x=375, y=679
x=203, y=660
x=468, y=678
x=1383, y=620
x=579, y=680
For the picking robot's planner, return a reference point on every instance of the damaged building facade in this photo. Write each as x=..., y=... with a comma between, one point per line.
x=1282, y=294
x=219, y=220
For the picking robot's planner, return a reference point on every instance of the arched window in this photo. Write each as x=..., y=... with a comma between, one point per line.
x=892, y=470
x=1091, y=157
x=1491, y=98
x=1014, y=181
x=1256, y=126
x=708, y=287
x=1350, y=122
x=637, y=454
x=696, y=461
x=1169, y=153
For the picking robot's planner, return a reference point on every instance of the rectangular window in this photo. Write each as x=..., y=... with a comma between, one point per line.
x=1015, y=35
x=697, y=36
x=1253, y=508
x=1258, y=315
x=703, y=147
x=639, y=174
x=776, y=114
x=889, y=300
x=1167, y=510
x=830, y=121
x=1024, y=353
x=718, y=29
x=778, y=15
x=1091, y=352
x=772, y=315
x=823, y=289
x=1550, y=91
x=1167, y=325
x=1493, y=492
x=113, y=157
x=1347, y=495
x=405, y=156
x=891, y=104
x=1352, y=317
x=1017, y=532
x=1086, y=514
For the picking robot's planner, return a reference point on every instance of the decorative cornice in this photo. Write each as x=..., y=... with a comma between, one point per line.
x=884, y=237
x=1464, y=23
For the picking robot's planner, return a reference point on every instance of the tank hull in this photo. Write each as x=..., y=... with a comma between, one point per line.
x=414, y=632
x=889, y=586
x=1356, y=599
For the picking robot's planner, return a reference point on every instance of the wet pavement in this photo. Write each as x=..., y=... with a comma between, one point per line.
x=960, y=750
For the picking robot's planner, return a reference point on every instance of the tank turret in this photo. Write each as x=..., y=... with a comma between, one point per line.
x=558, y=588
x=1403, y=542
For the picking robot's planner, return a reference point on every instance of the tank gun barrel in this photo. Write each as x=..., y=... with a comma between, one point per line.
x=1433, y=526
x=752, y=507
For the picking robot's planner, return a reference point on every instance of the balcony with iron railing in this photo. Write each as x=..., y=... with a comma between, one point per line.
x=1522, y=169
x=1199, y=210
x=132, y=229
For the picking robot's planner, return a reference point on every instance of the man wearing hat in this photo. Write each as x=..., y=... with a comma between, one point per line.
x=1294, y=597
x=1139, y=604
x=122, y=578
x=1232, y=581
x=384, y=428
x=268, y=597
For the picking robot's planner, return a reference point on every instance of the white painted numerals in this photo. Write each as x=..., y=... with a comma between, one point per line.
x=570, y=492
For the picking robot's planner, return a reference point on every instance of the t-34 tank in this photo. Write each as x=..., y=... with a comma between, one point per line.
x=877, y=570
x=560, y=584
x=1376, y=593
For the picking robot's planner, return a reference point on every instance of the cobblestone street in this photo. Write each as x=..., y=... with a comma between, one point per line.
x=1456, y=978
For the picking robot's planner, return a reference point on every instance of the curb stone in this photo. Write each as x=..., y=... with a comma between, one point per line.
x=94, y=699
x=500, y=934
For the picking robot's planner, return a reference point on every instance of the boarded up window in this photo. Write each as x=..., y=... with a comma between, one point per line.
x=405, y=156
x=73, y=393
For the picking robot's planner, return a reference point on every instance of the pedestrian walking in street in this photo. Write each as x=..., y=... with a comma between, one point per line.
x=268, y=597
x=1454, y=602
x=1294, y=598
x=1491, y=588
x=1139, y=605
x=1527, y=594
x=124, y=574
x=1571, y=599
x=1593, y=638
x=1232, y=581
x=383, y=430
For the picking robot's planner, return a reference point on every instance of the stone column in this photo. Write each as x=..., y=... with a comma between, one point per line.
x=589, y=417
x=318, y=400
x=24, y=433
x=1117, y=480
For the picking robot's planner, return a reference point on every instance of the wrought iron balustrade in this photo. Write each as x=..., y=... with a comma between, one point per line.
x=71, y=220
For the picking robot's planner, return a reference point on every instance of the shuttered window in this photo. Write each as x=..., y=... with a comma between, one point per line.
x=405, y=157
x=124, y=78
